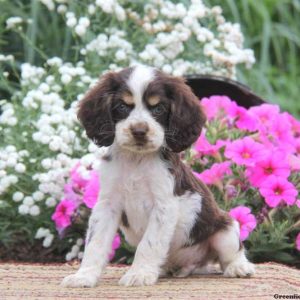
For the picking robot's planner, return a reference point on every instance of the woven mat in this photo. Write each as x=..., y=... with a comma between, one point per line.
x=34, y=281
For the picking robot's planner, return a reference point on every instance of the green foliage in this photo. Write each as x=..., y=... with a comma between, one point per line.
x=271, y=242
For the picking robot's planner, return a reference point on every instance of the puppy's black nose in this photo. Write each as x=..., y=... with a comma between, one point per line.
x=139, y=130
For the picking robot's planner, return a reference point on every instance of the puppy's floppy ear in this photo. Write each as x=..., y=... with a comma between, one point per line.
x=186, y=117
x=94, y=110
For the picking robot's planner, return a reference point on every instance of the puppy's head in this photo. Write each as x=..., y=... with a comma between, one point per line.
x=142, y=109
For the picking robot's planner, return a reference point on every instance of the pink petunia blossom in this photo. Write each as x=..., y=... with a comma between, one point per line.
x=298, y=242
x=78, y=181
x=265, y=113
x=295, y=124
x=281, y=134
x=91, y=190
x=298, y=202
x=294, y=162
x=246, y=120
x=297, y=146
x=204, y=147
x=70, y=194
x=115, y=245
x=245, y=151
x=247, y=221
x=63, y=213
x=274, y=164
x=277, y=189
x=215, y=173
x=278, y=134
x=215, y=106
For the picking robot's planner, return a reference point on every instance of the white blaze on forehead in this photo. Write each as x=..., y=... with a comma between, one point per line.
x=139, y=80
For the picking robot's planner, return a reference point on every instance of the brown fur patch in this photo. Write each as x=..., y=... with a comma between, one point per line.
x=95, y=110
x=186, y=117
x=211, y=218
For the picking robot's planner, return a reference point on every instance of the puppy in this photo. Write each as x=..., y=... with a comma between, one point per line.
x=147, y=118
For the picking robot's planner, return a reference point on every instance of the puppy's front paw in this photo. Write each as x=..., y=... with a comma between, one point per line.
x=79, y=280
x=239, y=269
x=139, y=277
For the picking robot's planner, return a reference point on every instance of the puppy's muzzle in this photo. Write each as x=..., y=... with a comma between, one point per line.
x=139, y=132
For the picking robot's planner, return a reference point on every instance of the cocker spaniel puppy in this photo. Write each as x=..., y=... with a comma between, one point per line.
x=147, y=118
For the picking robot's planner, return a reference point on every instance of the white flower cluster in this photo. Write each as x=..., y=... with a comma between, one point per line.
x=112, y=7
x=106, y=44
x=8, y=114
x=44, y=233
x=6, y=57
x=11, y=165
x=51, y=4
x=31, y=74
x=29, y=205
x=180, y=38
x=12, y=22
x=75, y=250
x=80, y=26
x=52, y=179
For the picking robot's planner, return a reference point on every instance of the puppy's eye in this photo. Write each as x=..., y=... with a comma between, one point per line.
x=158, y=109
x=123, y=108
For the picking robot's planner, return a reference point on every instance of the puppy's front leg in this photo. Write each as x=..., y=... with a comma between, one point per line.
x=103, y=225
x=152, y=251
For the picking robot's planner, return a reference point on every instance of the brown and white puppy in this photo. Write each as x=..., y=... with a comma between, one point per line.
x=147, y=117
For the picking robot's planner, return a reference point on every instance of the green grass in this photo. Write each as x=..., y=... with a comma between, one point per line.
x=272, y=29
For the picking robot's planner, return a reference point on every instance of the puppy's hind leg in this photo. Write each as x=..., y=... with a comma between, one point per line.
x=231, y=253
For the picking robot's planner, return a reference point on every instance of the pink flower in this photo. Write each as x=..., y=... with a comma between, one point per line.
x=245, y=120
x=247, y=221
x=204, y=147
x=91, y=190
x=63, y=213
x=274, y=164
x=245, y=151
x=278, y=133
x=219, y=105
x=295, y=124
x=298, y=242
x=215, y=173
x=298, y=202
x=281, y=132
x=294, y=162
x=297, y=146
x=78, y=181
x=277, y=189
x=115, y=245
x=265, y=113
x=70, y=194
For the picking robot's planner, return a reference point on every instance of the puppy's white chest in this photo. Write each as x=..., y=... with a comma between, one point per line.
x=139, y=184
x=138, y=201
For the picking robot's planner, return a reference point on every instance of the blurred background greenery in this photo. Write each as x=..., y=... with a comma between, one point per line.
x=271, y=28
